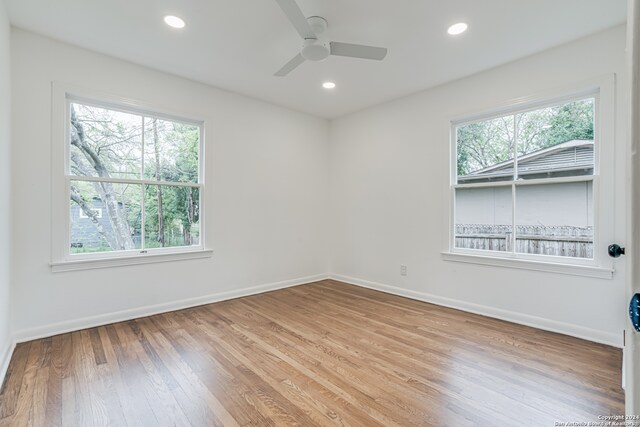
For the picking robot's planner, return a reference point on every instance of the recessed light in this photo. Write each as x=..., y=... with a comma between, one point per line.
x=328, y=85
x=458, y=28
x=174, y=21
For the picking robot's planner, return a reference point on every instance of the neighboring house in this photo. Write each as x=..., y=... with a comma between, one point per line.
x=570, y=158
x=83, y=230
x=553, y=219
x=84, y=233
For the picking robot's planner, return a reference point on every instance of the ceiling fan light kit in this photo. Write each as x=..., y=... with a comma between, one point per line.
x=315, y=47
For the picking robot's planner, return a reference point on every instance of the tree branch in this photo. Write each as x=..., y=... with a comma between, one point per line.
x=91, y=214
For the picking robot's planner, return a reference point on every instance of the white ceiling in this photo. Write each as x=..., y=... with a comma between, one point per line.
x=239, y=44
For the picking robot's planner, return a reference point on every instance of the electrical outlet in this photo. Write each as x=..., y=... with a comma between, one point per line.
x=403, y=270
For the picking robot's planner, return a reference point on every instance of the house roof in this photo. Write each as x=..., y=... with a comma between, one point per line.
x=570, y=156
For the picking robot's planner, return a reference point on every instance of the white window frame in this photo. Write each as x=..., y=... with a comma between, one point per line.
x=62, y=258
x=603, y=90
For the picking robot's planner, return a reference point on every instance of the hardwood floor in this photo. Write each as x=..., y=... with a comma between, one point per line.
x=320, y=354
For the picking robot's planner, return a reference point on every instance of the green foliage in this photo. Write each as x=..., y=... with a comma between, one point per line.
x=490, y=142
x=571, y=121
x=484, y=144
x=180, y=228
x=178, y=162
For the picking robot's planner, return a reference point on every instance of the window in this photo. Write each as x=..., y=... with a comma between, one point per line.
x=133, y=182
x=523, y=182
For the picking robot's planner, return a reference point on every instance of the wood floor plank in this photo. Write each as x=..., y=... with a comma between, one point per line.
x=89, y=401
x=132, y=382
x=37, y=413
x=323, y=354
x=25, y=401
x=116, y=385
x=11, y=388
x=53, y=410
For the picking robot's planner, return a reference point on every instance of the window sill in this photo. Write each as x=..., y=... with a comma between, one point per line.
x=89, y=264
x=550, y=267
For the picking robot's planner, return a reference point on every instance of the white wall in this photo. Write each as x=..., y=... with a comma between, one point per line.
x=266, y=192
x=5, y=188
x=389, y=196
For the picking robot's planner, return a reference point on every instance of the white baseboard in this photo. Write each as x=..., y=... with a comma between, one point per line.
x=134, y=313
x=510, y=316
x=5, y=358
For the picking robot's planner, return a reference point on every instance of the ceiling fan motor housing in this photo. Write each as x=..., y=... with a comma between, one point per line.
x=315, y=49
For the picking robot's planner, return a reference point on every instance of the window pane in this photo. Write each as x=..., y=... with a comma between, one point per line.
x=556, y=141
x=555, y=219
x=172, y=216
x=105, y=143
x=483, y=218
x=104, y=217
x=485, y=150
x=171, y=151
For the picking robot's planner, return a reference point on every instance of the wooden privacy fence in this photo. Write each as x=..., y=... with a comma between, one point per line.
x=576, y=242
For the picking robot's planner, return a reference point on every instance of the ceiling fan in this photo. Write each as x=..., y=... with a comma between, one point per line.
x=315, y=47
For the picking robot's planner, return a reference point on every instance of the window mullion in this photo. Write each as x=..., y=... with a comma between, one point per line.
x=513, y=218
x=143, y=149
x=142, y=207
x=142, y=215
x=515, y=148
x=513, y=186
x=521, y=183
x=135, y=181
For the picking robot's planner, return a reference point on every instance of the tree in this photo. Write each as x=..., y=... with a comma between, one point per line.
x=156, y=149
x=175, y=159
x=483, y=144
x=87, y=160
x=490, y=142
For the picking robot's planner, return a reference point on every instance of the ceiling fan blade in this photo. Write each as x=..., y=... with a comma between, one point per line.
x=358, y=51
x=297, y=18
x=290, y=66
